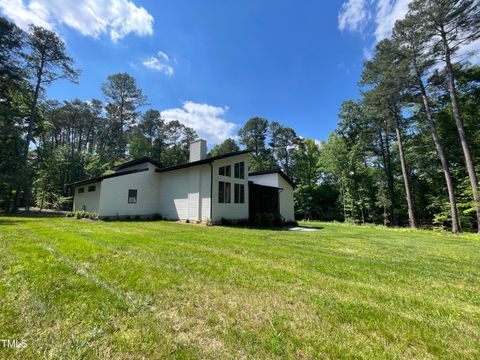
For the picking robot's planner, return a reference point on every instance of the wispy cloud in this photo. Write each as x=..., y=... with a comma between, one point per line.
x=375, y=19
x=207, y=120
x=161, y=63
x=117, y=18
x=354, y=15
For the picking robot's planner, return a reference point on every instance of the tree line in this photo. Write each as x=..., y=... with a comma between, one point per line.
x=403, y=154
x=408, y=150
x=45, y=144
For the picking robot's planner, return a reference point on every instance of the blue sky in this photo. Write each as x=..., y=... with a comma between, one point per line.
x=214, y=64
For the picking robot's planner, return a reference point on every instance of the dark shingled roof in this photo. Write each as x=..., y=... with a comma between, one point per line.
x=141, y=160
x=202, y=162
x=273, y=171
x=100, y=178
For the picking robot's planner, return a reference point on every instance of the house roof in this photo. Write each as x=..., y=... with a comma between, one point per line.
x=202, y=162
x=100, y=178
x=274, y=171
x=134, y=162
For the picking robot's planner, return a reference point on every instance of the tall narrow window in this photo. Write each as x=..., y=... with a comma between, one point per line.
x=132, y=196
x=239, y=194
x=228, y=191
x=239, y=170
x=221, y=192
x=224, y=191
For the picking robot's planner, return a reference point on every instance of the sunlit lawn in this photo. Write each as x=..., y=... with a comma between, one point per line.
x=77, y=289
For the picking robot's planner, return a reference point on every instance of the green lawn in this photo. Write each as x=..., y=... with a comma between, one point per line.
x=75, y=289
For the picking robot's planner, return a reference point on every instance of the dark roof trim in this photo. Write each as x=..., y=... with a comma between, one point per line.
x=139, y=161
x=274, y=171
x=253, y=183
x=100, y=178
x=202, y=162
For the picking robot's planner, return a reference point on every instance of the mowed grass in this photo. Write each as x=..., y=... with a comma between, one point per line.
x=130, y=290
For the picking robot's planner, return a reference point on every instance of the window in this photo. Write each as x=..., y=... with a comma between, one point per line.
x=224, y=190
x=81, y=190
x=239, y=194
x=91, y=188
x=225, y=170
x=132, y=196
x=239, y=170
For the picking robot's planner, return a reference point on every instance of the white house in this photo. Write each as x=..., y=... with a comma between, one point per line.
x=204, y=188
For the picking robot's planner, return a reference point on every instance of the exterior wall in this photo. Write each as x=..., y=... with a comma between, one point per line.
x=230, y=210
x=185, y=193
x=114, y=195
x=286, y=195
x=287, y=203
x=87, y=200
x=265, y=179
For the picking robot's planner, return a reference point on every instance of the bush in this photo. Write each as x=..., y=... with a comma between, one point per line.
x=209, y=222
x=157, y=216
x=267, y=220
x=242, y=222
x=187, y=221
x=127, y=217
x=226, y=222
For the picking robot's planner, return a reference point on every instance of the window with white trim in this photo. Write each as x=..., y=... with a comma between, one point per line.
x=224, y=190
x=225, y=170
x=239, y=194
x=239, y=170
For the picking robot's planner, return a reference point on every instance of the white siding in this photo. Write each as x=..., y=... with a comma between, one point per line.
x=88, y=200
x=114, y=195
x=265, y=179
x=286, y=200
x=185, y=193
x=230, y=210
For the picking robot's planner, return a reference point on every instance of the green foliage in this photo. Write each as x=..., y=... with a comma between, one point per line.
x=228, y=146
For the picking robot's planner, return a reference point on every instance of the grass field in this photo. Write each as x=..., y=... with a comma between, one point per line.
x=113, y=290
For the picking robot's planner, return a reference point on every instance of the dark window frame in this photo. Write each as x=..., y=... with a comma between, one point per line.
x=81, y=190
x=224, y=192
x=239, y=170
x=225, y=170
x=132, y=199
x=92, y=188
x=239, y=194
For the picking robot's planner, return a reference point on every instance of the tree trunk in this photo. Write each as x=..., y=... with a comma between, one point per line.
x=29, y=137
x=461, y=129
x=443, y=161
x=387, y=165
x=408, y=194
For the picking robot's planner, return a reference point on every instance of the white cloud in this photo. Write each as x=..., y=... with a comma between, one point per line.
x=117, y=18
x=379, y=17
x=207, y=120
x=388, y=12
x=160, y=63
x=353, y=15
